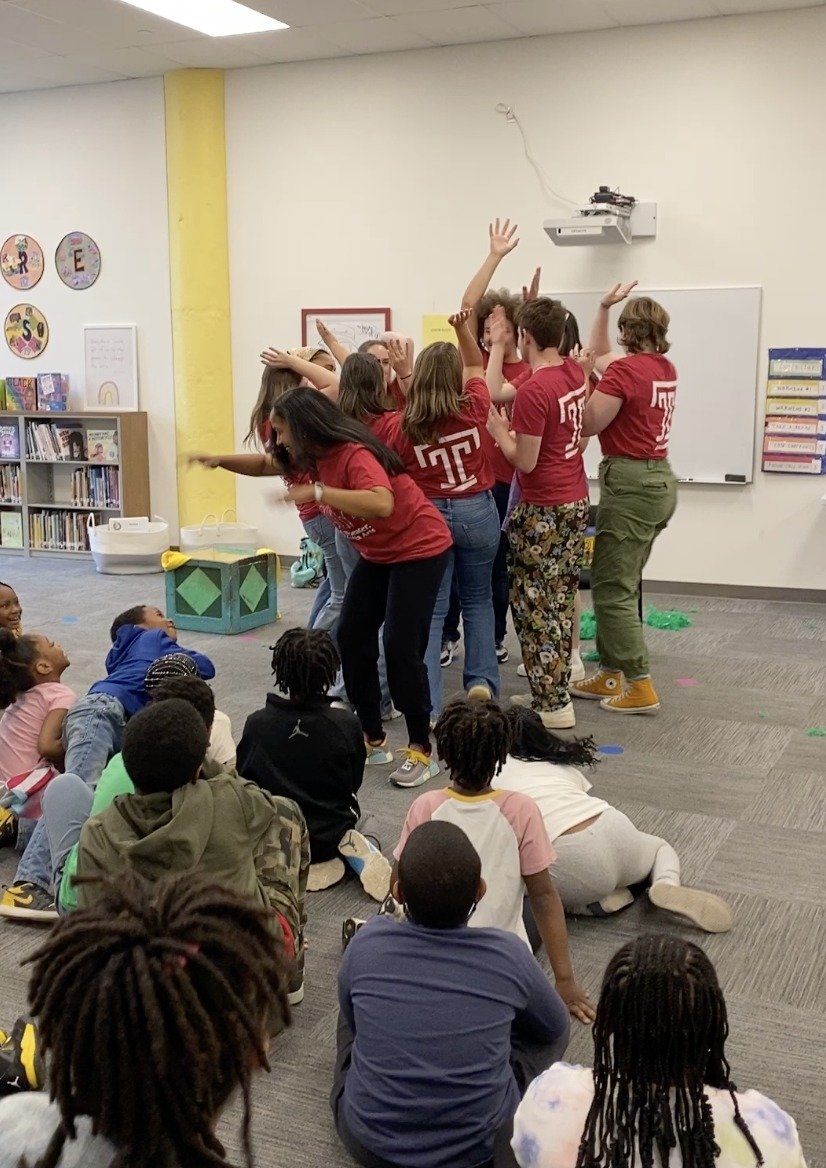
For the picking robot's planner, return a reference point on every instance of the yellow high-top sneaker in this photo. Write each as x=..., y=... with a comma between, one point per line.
x=637, y=697
x=605, y=683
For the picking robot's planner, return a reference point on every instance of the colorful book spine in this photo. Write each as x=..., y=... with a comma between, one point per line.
x=52, y=392
x=21, y=394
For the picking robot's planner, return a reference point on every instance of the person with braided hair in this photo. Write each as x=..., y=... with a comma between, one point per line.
x=305, y=748
x=660, y=1093
x=507, y=830
x=153, y=1007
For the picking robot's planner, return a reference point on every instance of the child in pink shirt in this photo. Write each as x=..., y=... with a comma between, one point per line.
x=36, y=703
x=509, y=834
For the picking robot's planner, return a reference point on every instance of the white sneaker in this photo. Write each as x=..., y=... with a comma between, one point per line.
x=372, y=867
x=521, y=671
x=577, y=667
x=704, y=909
x=562, y=718
x=479, y=692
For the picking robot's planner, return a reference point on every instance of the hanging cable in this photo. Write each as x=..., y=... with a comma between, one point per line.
x=547, y=189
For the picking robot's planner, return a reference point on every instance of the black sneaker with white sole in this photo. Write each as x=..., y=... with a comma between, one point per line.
x=28, y=902
x=501, y=652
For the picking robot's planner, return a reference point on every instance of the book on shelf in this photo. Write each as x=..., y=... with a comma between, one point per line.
x=21, y=394
x=2, y=393
x=10, y=484
x=11, y=529
x=52, y=392
x=71, y=443
x=9, y=441
x=47, y=442
x=102, y=445
x=62, y=531
x=96, y=486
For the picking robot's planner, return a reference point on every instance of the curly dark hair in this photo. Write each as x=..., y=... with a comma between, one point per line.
x=154, y=1005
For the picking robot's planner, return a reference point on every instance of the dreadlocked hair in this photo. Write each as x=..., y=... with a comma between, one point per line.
x=18, y=657
x=154, y=1005
x=532, y=742
x=305, y=663
x=474, y=739
x=660, y=1030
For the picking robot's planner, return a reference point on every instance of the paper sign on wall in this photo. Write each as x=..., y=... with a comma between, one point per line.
x=111, y=352
x=435, y=327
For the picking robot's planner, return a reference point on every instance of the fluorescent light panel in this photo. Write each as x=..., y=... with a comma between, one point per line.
x=216, y=18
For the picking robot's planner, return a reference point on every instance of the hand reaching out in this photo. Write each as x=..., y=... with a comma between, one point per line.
x=618, y=293
x=208, y=461
x=502, y=238
x=531, y=292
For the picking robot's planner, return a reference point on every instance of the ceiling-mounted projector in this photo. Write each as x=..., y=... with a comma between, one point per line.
x=608, y=217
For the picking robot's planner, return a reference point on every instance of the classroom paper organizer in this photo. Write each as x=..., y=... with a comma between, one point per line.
x=794, y=435
x=222, y=592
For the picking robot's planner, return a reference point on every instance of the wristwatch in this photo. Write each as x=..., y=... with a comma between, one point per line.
x=318, y=491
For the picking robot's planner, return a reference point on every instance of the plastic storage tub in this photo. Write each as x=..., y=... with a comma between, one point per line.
x=129, y=553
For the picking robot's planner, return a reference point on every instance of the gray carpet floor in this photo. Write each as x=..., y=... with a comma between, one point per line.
x=726, y=772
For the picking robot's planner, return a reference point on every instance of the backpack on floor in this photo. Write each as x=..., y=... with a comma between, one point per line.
x=308, y=569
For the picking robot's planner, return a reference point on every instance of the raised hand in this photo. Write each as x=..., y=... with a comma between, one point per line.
x=398, y=356
x=502, y=238
x=585, y=358
x=498, y=423
x=618, y=293
x=531, y=291
x=458, y=319
x=498, y=329
x=323, y=332
x=277, y=358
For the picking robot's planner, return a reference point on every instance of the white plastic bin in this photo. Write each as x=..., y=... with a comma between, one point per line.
x=129, y=553
x=222, y=533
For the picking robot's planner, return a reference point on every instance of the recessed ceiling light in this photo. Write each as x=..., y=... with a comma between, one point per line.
x=216, y=18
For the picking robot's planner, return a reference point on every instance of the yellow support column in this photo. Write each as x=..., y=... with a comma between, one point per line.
x=199, y=278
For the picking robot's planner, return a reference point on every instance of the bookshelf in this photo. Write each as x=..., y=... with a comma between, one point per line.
x=46, y=498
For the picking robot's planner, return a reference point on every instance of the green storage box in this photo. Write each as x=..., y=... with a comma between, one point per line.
x=220, y=593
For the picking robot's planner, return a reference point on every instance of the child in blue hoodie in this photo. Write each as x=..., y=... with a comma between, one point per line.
x=93, y=734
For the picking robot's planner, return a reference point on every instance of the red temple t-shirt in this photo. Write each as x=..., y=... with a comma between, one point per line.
x=647, y=384
x=383, y=425
x=457, y=465
x=550, y=405
x=305, y=510
x=515, y=372
x=415, y=530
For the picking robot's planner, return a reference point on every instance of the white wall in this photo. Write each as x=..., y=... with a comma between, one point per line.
x=371, y=181
x=93, y=158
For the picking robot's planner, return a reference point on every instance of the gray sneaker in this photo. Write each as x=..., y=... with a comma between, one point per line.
x=416, y=769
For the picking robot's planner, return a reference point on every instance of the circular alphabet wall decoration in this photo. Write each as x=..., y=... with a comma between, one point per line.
x=77, y=260
x=21, y=261
x=27, y=332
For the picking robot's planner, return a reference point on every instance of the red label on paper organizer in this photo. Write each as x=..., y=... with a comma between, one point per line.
x=21, y=261
x=78, y=260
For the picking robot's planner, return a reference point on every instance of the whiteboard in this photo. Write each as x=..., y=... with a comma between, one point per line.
x=715, y=346
x=111, y=360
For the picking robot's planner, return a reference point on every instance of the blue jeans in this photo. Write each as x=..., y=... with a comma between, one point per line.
x=322, y=532
x=92, y=733
x=349, y=557
x=322, y=595
x=67, y=804
x=474, y=525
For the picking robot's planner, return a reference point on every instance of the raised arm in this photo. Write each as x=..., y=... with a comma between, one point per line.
x=498, y=338
x=502, y=242
x=255, y=466
x=599, y=340
x=328, y=338
x=469, y=349
x=317, y=375
x=400, y=349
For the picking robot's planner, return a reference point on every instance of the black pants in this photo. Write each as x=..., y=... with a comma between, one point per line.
x=402, y=597
x=499, y=573
x=529, y=1058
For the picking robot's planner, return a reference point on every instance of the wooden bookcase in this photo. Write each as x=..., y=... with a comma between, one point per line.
x=46, y=484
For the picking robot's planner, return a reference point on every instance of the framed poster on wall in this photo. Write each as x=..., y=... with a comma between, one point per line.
x=350, y=326
x=111, y=361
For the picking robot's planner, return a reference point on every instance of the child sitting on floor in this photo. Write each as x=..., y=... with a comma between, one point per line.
x=506, y=829
x=11, y=611
x=600, y=854
x=221, y=749
x=305, y=748
x=184, y=979
x=441, y=1026
x=35, y=703
x=660, y=1092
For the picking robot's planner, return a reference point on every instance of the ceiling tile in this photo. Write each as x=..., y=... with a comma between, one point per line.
x=290, y=44
x=410, y=7
x=657, y=11
x=102, y=22
x=381, y=34
x=212, y=53
x=13, y=52
x=135, y=62
x=42, y=33
x=301, y=13
x=72, y=71
x=540, y=17
x=738, y=7
x=459, y=26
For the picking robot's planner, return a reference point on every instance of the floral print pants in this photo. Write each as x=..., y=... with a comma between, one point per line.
x=546, y=545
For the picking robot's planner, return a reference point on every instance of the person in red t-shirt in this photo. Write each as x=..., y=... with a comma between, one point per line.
x=501, y=360
x=404, y=546
x=546, y=533
x=442, y=440
x=393, y=351
x=631, y=410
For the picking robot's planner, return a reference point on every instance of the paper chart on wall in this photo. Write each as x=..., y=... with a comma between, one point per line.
x=350, y=327
x=111, y=361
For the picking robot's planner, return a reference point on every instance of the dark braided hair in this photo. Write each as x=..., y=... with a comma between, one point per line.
x=531, y=741
x=154, y=1005
x=305, y=663
x=18, y=656
x=660, y=1029
x=474, y=739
